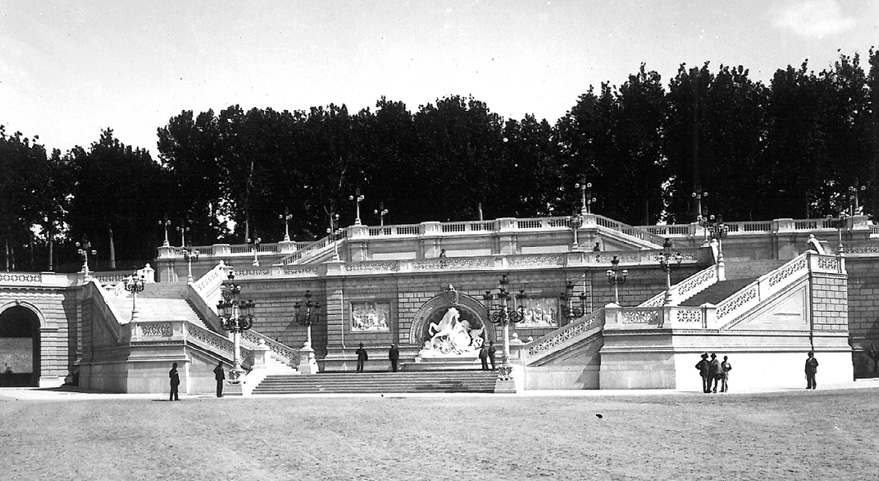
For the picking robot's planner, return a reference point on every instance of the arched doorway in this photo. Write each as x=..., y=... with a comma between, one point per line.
x=19, y=348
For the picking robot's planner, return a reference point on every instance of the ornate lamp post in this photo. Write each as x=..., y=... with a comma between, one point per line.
x=855, y=207
x=576, y=221
x=616, y=278
x=381, y=212
x=669, y=261
x=308, y=317
x=84, y=249
x=333, y=235
x=839, y=224
x=188, y=255
x=586, y=198
x=134, y=284
x=698, y=196
x=357, y=198
x=503, y=315
x=165, y=223
x=235, y=316
x=286, y=216
x=254, y=245
x=567, y=307
x=182, y=229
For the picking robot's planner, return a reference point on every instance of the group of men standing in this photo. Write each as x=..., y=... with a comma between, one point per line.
x=714, y=373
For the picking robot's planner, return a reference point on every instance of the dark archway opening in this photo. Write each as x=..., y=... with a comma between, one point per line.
x=19, y=348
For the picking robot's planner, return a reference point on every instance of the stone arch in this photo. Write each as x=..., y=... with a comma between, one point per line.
x=471, y=309
x=20, y=344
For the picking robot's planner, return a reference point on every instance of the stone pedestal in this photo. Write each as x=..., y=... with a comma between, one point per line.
x=233, y=388
x=307, y=361
x=506, y=380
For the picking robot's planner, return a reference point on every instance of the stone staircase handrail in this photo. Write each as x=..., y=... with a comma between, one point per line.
x=106, y=312
x=631, y=231
x=687, y=288
x=562, y=337
x=774, y=282
x=282, y=352
x=311, y=250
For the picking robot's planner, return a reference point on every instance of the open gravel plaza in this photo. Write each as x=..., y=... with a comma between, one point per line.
x=822, y=434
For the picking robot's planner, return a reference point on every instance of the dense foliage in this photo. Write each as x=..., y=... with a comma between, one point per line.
x=800, y=146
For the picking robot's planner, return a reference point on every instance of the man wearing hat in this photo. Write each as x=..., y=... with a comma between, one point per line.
x=703, y=366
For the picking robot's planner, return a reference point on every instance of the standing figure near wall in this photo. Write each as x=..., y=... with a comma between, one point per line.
x=175, y=382
x=811, y=369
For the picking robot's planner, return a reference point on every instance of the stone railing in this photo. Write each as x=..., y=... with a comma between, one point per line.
x=825, y=225
x=284, y=353
x=716, y=317
x=635, y=318
x=687, y=288
x=765, y=287
x=103, y=310
x=635, y=232
x=315, y=248
x=562, y=337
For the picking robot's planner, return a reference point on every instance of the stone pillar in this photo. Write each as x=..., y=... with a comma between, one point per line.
x=286, y=247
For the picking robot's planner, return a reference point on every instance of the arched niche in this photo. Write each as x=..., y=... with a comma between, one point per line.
x=433, y=310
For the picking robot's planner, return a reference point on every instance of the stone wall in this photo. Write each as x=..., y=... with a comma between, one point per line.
x=863, y=311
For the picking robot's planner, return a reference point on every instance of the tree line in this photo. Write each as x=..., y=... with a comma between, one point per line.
x=801, y=146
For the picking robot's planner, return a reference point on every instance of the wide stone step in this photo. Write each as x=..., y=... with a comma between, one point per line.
x=397, y=382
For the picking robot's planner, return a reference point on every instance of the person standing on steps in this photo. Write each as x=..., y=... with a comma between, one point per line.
x=220, y=376
x=175, y=382
x=362, y=357
x=811, y=369
x=726, y=367
x=491, y=353
x=714, y=372
x=483, y=356
x=702, y=366
x=394, y=356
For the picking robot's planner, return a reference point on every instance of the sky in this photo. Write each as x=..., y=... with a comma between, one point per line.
x=70, y=69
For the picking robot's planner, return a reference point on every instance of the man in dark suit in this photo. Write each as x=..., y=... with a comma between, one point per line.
x=483, y=357
x=362, y=357
x=811, y=369
x=175, y=382
x=491, y=352
x=394, y=356
x=702, y=366
x=220, y=376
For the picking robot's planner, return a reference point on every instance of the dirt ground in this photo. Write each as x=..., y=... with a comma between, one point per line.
x=785, y=435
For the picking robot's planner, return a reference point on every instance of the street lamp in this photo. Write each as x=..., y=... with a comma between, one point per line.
x=567, y=306
x=855, y=207
x=381, y=212
x=188, y=255
x=286, y=216
x=698, y=196
x=134, y=284
x=309, y=317
x=586, y=199
x=182, y=229
x=84, y=249
x=254, y=245
x=357, y=198
x=839, y=224
x=576, y=221
x=669, y=261
x=165, y=223
x=236, y=316
x=333, y=233
x=502, y=315
x=616, y=278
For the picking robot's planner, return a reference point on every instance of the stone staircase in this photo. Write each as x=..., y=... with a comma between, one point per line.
x=159, y=302
x=738, y=276
x=380, y=382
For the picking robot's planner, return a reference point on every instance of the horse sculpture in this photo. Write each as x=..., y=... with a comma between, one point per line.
x=453, y=336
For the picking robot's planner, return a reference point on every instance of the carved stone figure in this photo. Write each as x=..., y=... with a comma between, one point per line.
x=453, y=336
